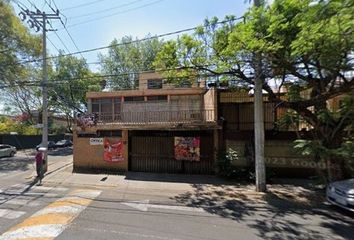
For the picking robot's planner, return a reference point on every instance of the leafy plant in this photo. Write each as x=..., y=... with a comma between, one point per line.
x=224, y=162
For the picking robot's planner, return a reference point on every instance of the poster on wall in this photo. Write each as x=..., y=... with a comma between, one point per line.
x=187, y=148
x=113, y=150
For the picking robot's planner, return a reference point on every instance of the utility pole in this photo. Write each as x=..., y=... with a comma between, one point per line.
x=38, y=20
x=259, y=120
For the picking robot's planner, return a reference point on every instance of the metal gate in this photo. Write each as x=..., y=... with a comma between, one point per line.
x=153, y=151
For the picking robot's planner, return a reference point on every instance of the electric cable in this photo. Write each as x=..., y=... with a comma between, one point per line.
x=127, y=43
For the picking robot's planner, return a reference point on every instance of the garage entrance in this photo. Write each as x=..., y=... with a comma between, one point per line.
x=153, y=151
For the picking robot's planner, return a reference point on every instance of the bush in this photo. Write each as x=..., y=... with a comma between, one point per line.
x=224, y=162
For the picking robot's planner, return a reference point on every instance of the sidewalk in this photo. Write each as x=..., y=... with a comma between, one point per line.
x=190, y=189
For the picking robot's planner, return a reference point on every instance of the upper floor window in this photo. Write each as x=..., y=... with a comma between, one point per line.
x=134, y=99
x=185, y=83
x=154, y=83
x=162, y=98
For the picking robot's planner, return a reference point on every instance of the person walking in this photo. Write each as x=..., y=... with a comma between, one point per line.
x=39, y=164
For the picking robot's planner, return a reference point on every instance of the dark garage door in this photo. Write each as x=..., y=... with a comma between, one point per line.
x=153, y=151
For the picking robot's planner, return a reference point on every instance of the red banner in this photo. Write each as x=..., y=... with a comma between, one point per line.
x=187, y=148
x=113, y=150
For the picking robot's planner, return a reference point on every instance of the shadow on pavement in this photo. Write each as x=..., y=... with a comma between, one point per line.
x=177, y=178
x=284, y=212
x=17, y=163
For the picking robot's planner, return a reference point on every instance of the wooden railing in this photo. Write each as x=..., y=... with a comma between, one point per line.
x=158, y=117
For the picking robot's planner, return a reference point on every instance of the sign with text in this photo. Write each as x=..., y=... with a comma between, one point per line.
x=96, y=141
x=113, y=150
x=187, y=148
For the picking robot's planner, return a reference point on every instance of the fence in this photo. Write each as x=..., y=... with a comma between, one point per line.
x=146, y=117
x=27, y=141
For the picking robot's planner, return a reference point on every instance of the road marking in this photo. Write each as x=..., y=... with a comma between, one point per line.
x=10, y=214
x=52, y=220
x=144, y=206
x=55, y=189
x=28, y=202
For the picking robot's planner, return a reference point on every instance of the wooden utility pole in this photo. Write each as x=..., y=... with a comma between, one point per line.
x=259, y=120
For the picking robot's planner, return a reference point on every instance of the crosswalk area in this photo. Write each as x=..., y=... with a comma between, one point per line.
x=50, y=210
x=15, y=200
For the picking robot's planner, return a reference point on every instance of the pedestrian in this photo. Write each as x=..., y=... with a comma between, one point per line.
x=39, y=164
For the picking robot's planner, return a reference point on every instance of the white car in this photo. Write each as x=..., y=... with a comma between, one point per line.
x=341, y=193
x=7, y=150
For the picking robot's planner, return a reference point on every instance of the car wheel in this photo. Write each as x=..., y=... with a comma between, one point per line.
x=12, y=154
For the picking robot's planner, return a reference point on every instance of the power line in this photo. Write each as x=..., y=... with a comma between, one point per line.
x=83, y=5
x=53, y=44
x=62, y=42
x=61, y=21
x=106, y=10
x=60, y=81
x=127, y=43
x=111, y=15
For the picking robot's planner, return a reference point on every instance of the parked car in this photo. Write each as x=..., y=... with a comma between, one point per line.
x=64, y=143
x=341, y=193
x=7, y=150
x=51, y=145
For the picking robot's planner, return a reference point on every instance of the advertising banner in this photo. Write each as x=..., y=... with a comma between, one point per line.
x=187, y=148
x=113, y=150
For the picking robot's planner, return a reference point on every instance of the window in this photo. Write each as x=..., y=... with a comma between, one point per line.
x=109, y=133
x=95, y=105
x=184, y=84
x=154, y=84
x=162, y=98
x=106, y=105
x=117, y=105
x=103, y=105
x=134, y=99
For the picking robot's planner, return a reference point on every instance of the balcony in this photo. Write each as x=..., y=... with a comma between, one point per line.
x=158, y=117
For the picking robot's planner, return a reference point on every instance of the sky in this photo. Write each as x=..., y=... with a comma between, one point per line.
x=95, y=23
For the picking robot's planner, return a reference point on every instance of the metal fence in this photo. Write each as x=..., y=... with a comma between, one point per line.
x=161, y=117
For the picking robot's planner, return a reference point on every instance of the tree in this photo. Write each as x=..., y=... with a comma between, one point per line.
x=25, y=95
x=303, y=44
x=126, y=58
x=69, y=81
x=16, y=44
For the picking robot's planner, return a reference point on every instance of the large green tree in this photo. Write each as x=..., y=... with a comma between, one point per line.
x=69, y=81
x=126, y=58
x=16, y=45
x=303, y=44
x=25, y=96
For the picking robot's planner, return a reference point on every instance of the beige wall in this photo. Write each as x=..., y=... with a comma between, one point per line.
x=88, y=156
x=278, y=154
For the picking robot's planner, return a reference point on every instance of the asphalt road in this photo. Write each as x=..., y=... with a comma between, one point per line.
x=139, y=209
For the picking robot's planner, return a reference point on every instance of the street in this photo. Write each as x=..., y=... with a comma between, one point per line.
x=152, y=206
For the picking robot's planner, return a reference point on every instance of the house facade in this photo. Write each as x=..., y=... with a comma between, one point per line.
x=158, y=127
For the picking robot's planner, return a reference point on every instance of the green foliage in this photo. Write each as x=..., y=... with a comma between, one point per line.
x=7, y=125
x=225, y=161
x=126, y=58
x=57, y=129
x=16, y=43
x=303, y=44
x=71, y=78
x=310, y=147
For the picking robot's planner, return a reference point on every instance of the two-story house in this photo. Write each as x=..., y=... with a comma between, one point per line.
x=158, y=127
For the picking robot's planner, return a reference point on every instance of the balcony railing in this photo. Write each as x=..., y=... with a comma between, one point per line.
x=158, y=117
